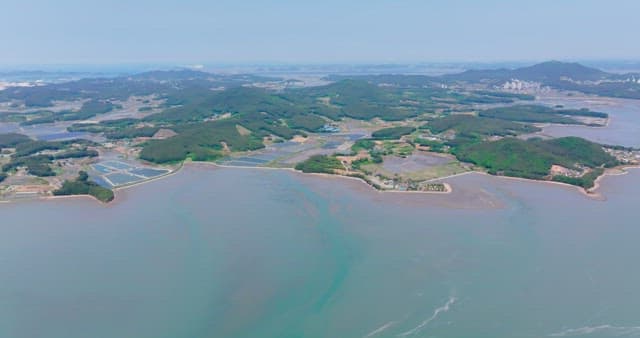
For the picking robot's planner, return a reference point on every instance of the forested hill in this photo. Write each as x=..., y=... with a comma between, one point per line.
x=541, y=72
x=164, y=83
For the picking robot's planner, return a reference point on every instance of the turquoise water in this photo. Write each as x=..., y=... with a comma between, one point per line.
x=262, y=253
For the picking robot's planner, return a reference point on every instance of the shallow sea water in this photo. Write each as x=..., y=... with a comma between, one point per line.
x=214, y=252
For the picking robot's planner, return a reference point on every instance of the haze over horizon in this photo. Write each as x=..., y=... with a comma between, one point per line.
x=285, y=31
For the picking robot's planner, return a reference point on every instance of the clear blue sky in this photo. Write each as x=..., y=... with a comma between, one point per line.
x=331, y=31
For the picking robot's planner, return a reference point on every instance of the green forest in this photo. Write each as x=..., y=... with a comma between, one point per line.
x=392, y=133
x=478, y=126
x=320, y=164
x=26, y=153
x=533, y=158
x=539, y=114
x=83, y=186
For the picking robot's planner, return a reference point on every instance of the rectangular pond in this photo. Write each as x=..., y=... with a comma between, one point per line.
x=122, y=178
x=148, y=172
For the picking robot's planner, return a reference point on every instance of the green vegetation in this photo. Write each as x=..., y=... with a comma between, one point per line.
x=88, y=110
x=257, y=111
x=363, y=144
x=103, y=126
x=376, y=152
x=195, y=113
x=509, y=157
x=83, y=186
x=172, y=85
x=74, y=153
x=32, y=147
x=360, y=100
x=39, y=164
x=308, y=122
x=438, y=187
x=558, y=75
x=478, y=126
x=358, y=164
x=130, y=133
x=431, y=87
x=3, y=177
x=202, y=141
x=401, y=149
x=539, y=114
x=11, y=140
x=534, y=158
x=547, y=73
x=210, y=123
x=116, y=129
x=587, y=181
x=578, y=150
x=198, y=104
x=435, y=146
x=320, y=164
x=29, y=148
x=368, y=145
x=392, y=133
x=260, y=112
x=522, y=97
x=35, y=165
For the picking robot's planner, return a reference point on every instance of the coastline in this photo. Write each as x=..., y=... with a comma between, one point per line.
x=591, y=193
x=616, y=171
x=596, y=126
x=115, y=190
x=332, y=176
x=155, y=178
x=587, y=193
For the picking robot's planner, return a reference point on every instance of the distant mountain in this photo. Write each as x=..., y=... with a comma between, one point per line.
x=553, y=70
x=550, y=71
x=546, y=72
x=554, y=74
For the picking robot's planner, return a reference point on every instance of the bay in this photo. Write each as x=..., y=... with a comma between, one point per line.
x=213, y=252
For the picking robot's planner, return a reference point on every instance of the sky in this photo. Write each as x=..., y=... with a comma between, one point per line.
x=323, y=31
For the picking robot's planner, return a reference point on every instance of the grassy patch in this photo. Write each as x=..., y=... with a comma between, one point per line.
x=320, y=164
x=392, y=133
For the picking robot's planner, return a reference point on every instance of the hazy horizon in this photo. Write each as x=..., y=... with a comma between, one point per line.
x=56, y=72
x=302, y=32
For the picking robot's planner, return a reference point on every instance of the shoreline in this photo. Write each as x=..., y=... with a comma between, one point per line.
x=585, y=192
x=591, y=193
x=115, y=190
x=616, y=171
x=448, y=187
